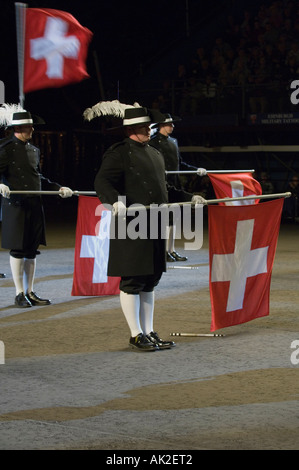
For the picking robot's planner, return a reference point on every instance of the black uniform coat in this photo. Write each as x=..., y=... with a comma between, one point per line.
x=19, y=170
x=136, y=171
x=169, y=148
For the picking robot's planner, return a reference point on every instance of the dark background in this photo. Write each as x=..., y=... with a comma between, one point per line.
x=136, y=46
x=128, y=40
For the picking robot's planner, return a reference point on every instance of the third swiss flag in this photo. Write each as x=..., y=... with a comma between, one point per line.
x=235, y=185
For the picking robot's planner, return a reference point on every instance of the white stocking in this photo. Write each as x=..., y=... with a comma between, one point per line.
x=170, y=239
x=130, y=304
x=147, y=301
x=17, y=269
x=167, y=235
x=29, y=274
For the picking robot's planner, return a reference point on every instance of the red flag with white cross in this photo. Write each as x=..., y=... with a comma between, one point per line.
x=235, y=185
x=56, y=47
x=92, y=250
x=242, y=245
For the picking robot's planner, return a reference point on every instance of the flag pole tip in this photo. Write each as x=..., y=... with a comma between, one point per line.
x=198, y=334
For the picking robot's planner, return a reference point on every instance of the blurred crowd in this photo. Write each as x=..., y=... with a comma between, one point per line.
x=251, y=63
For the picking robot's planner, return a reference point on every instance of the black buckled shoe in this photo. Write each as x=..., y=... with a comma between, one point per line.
x=2, y=275
x=22, y=301
x=35, y=300
x=154, y=337
x=178, y=257
x=142, y=343
x=169, y=258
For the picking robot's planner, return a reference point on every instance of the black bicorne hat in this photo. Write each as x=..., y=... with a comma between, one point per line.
x=164, y=119
x=15, y=115
x=131, y=115
x=25, y=118
x=135, y=116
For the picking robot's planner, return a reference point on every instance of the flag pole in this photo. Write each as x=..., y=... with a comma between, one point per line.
x=183, y=267
x=98, y=74
x=20, y=25
x=215, y=201
x=135, y=208
x=53, y=193
x=246, y=198
x=209, y=172
x=214, y=335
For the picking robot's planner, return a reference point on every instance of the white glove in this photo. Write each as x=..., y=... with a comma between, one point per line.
x=65, y=192
x=201, y=171
x=4, y=191
x=119, y=209
x=196, y=199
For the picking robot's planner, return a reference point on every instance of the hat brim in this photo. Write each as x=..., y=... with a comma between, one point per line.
x=173, y=119
x=130, y=123
x=131, y=118
x=35, y=120
x=166, y=121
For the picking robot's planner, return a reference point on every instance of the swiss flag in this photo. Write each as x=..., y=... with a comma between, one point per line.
x=242, y=245
x=56, y=48
x=92, y=250
x=235, y=185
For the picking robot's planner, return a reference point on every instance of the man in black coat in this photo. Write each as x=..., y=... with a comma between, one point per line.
x=133, y=172
x=169, y=148
x=23, y=224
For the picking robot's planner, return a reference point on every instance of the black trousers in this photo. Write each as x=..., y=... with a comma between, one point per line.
x=33, y=229
x=136, y=284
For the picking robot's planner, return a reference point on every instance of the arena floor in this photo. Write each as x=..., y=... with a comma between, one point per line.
x=71, y=382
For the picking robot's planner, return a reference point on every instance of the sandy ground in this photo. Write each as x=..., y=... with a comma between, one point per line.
x=70, y=380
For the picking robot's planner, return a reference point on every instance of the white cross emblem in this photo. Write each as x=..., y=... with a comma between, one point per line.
x=97, y=247
x=238, y=191
x=54, y=46
x=238, y=266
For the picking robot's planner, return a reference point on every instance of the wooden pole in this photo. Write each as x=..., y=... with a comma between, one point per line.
x=209, y=172
x=20, y=9
x=54, y=193
x=134, y=208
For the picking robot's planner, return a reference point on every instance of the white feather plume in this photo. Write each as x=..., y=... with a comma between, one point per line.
x=107, y=108
x=6, y=112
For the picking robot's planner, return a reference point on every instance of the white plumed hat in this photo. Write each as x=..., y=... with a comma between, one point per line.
x=131, y=114
x=15, y=115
